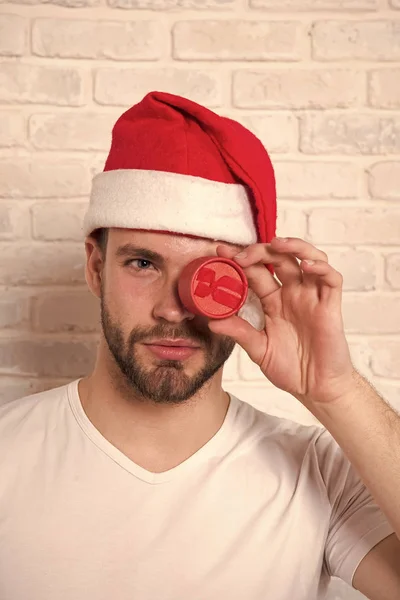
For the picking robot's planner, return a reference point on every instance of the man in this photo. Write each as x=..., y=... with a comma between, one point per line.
x=146, y=480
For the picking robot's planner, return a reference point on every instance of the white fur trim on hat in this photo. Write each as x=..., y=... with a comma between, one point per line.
x=163, y=201
x=252, y=311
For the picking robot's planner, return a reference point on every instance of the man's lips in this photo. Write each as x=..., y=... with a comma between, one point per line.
x=181, y=343
x=177, y=349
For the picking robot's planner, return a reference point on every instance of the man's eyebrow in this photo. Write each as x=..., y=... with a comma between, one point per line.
x=129, y=250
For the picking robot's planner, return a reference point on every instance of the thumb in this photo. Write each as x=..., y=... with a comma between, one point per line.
x=254, y=342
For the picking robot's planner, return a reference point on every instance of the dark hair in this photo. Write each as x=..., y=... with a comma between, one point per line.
x=101, y=238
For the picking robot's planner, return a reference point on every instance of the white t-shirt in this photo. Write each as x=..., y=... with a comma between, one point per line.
x=268, y=509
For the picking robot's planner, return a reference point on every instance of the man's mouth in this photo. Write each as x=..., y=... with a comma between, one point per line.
x=180, y=342
x=172, y=349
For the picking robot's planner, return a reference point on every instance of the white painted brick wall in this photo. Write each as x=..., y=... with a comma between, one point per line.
x=304, y=87
x=384, y=88
x=115, y=40
x=352, y=40
x=259, y=40
x=317, y=80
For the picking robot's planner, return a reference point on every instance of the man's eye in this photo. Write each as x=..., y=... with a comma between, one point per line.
x=142, y=264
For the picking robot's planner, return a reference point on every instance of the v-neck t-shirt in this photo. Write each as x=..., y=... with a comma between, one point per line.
x=267, y=509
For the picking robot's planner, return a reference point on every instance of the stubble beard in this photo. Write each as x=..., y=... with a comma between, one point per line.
x=166, y=382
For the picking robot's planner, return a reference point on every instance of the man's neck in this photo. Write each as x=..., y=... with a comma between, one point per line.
x=155, y=436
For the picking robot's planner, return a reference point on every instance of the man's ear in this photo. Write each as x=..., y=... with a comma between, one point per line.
x=94, y=271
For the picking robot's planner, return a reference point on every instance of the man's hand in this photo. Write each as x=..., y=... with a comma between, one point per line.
x=303, y=349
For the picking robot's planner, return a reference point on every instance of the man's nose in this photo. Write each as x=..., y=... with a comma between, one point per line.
x=169, y=306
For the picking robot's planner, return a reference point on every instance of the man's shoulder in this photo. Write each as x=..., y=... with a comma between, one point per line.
x=287, y=450
x=16, y=413
x=275, y=422
x=269, y=428
x=310, y=446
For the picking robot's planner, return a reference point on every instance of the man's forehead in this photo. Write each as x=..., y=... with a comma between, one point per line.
x=163, y=242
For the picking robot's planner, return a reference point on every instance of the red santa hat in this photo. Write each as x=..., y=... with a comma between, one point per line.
x=176, y=166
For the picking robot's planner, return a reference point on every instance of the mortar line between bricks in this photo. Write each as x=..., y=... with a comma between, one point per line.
x=77, y=155
x=114, y=14
x=105, y=109
x=33, y=377
x=29, y=110
x=303, y=17
x=32, y=290
x=358, y=337
x=78, y=336
x=102, y=110
x=221, y=63
x=263, y=383
x=246, y=13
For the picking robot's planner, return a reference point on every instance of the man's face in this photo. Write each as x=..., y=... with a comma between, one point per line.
x=141, y=311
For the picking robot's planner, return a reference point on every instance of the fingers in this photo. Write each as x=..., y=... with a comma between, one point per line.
x=329, y=280
x=300, y=248
x=317, y=272
x=318, y=275
x=285, y=265
x=260, y=279
x=289, y=261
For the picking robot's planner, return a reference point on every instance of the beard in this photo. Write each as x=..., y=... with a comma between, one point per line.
x=166, y=382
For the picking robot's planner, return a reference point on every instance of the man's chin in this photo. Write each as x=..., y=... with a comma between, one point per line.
x=167, y=381
x=166, y=384
x=172, y=373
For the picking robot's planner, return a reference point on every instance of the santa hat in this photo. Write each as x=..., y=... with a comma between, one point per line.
x=177, y=167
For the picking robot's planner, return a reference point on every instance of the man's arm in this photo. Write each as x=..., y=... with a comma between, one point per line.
x=378, y=574
x=368, y=431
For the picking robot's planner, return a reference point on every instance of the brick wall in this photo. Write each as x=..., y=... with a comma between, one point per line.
x=317, y=80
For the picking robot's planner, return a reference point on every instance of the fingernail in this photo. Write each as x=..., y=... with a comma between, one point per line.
x=241, y=255
x=282, y=239
x=310, y=262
